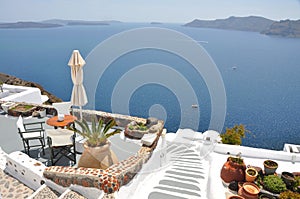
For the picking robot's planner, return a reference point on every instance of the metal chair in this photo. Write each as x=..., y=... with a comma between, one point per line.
x=30, y=132
x=62, y=107
x=61, y=144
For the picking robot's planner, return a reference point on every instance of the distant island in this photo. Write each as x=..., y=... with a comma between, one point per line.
x=53, y=23
x=79, y=22
x=156, y=23
x=283, y=28
x=28, y=25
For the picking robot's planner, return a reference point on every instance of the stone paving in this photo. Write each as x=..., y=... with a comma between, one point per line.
x=73, y=195
x=12, y=188
x=46, y=192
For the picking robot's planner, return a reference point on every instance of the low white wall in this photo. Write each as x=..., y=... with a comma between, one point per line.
x=257, y=152
x=27, y=170
x=23, y=94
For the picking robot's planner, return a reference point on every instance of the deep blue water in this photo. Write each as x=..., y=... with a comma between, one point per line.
x=263, y=92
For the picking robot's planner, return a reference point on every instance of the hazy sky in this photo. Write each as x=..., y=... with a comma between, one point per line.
x=145, y=10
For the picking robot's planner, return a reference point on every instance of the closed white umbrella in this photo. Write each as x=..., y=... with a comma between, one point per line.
x=78, y=97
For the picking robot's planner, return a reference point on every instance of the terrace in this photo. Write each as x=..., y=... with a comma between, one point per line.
x=185, y=164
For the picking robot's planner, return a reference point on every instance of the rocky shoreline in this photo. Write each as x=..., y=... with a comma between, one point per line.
x=9, y=79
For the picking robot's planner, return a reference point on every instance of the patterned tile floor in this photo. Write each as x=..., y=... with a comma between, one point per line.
x=12, y=188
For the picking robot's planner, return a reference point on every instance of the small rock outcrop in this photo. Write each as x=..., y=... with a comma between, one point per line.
x=8, y=79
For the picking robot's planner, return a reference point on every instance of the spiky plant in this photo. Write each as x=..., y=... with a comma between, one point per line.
x=97, y=134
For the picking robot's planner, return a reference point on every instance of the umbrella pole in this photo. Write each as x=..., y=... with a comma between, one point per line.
x=80, y=113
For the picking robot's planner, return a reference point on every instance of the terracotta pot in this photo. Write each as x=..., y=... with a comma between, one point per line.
x=266, y=196
x=100, y=157
x=235, y=197
x=249, y=190
x=232, y=171
x=250, y=174
x=288, y=178
x=270, y=167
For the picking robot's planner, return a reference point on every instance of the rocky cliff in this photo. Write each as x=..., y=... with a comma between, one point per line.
x=8, y=79
x=283, y=28
x=251, y=23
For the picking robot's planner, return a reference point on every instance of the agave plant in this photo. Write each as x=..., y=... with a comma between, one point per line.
x=97, y=133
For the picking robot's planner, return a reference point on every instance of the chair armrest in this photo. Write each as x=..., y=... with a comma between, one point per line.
x=33, y=130
x=34, y=123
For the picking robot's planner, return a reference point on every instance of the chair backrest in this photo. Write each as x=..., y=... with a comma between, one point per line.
x=20, y=124
x=62, y=107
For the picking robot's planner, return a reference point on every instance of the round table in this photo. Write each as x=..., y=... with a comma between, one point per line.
x=68, y=119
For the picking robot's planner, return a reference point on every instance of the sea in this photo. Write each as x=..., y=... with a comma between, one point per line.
x=260, y=75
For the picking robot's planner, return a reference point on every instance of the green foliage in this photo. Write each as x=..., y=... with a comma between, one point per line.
x=22, y=107
x=1, y=86
x=289, y=195
x=138, y=126
x=271, y=163
x=237, y=159
x=274, y=184
x=234, y=135
x=296, y=185
x=97, y=134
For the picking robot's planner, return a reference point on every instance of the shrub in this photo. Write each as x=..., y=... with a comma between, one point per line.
x=289, y=195
x=274, y=184
x=234, y=135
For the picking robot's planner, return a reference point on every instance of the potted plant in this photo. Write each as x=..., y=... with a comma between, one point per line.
x=24, y=110
x=249, y=190
x=97, y=152
x=288, y=178
x=289, y=195
x=233, y=169
x=266, y=196
x=250, y=174
x=270, y=167
x=296, y=186
x=136, y=130
x=234, y=135
x=235, y=197
x=274, y=184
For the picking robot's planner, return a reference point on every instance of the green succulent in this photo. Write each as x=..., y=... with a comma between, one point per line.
x=97, y=133
x=274, y=184
x=138, y=126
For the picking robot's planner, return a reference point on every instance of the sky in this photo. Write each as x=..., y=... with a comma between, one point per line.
x=173, y=11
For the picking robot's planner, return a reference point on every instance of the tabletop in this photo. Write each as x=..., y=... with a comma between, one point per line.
x=68, y=119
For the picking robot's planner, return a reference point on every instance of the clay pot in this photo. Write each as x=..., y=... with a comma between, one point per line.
x=266, y=196
x=249, y=190
x=233, y=171
x=250, y=174
x=270, y=167
x=235, y=197
x=288, y=178
x=100, y=157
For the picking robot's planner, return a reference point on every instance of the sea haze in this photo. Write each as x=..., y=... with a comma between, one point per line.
x=260, y=74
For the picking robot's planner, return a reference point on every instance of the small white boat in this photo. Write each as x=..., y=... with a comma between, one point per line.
x=234, y=68
x=194, y=105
